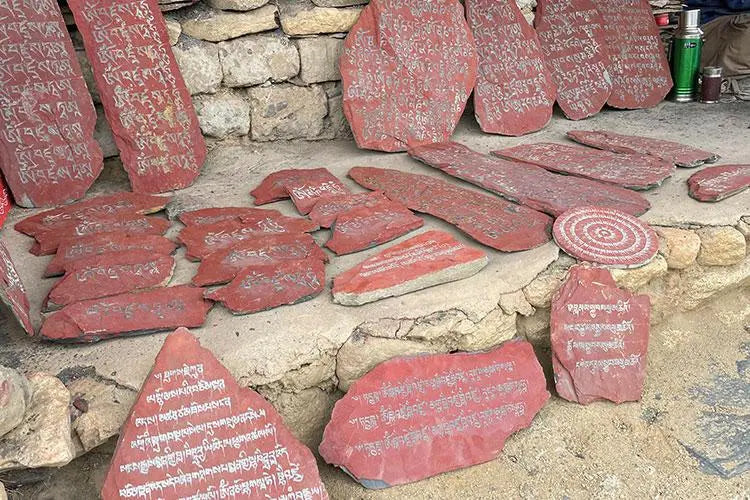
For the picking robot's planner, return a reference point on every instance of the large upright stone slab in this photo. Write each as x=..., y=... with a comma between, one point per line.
x=599, y=336
x=487, y=219
x=717, y=183
x=634, y=171
x=47, y=148
x=12, y=291
x=415, y=417
x=195, y=433
x=407, y=70
x=515, y=92
x=144, y=96
x=639, y=69
x=528, y=184
x=571, y=34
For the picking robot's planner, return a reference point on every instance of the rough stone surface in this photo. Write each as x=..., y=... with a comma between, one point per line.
x=319, y=59
x=222, y=115
x=514, y=92
x=305, y=192
x=717, y=183
x=252, y=60
x=516, y=302
x=338, y=3
x=457, y=409
x=541, y=289
x=287, y=112
x=15, y=396
x=199, y=65
x=12, y=292
x=206, y=216
x=635, y=279
x=599, y=336
x=5, y=204
x=243, y=5
x=43, y=438
x=246, y=432
x=103, y=135
x=218, y=25
x=527, y=184
x=327, y=209
x=274, y=186
x=174, y=30
x=429, y=259
x=682, y=246
x=721, y=246
x=302, y=17
x=407, y=72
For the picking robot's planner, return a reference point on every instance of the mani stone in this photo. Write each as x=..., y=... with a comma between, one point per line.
x=224, y=265
x=133, y=313
x=430, y=259
x=634, y=171
x=144, y=96
x=514, y=92
x=571, y=34
x=674, y=152
x=305, y=192
x=205, y=216
x=194, y=432
x=110, y=274
x=599, y=336
x=47, y=149
x=487, y=219
x=273, y=186
x=527, y=184
x=327, y=209
x=717, y=183
x=5, y=204
x=303, y=17
x=12, y=292
x=407, y=70
x=73, y=251
x=15, y=396
x=364, y=227
x=638, y=65
x=411, y=418
x=216, y=25
x=259, y=288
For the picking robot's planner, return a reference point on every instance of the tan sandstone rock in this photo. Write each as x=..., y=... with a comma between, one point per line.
x=15, y=396
x=633, y=279
x=174, y=30
x=305, y=18
x=516, y=303
x=237, y=4
x=682, y=246
x=721, y=246
x=218, y=25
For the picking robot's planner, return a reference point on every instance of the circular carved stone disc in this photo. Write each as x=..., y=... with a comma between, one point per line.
x=605, y=236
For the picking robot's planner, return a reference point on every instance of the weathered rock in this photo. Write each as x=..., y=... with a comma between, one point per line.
x=527, y=184
x=246, y=431
x=302, y=17
x=682, y=246
x=319, y=59
x=88, y=74
x=327, y=209
x=222, y=115
x=639, y=68
x=571, y=34
x=218, y=25
x=143, y=94
x=205, y=216
x=364, y=227
x=169, y=5
x=43, y=438
x=634, y=171
x=514, y=92
x=540, y=291
x=599, y=336
x=457, y=409
x=224, y=265
x=252, y=60
x=287, y=112
x=103, y=135
x=635, y=279
x=679, y=154
x=721, y=246
x=489, y=220
x=12, y=292
x=394, y=95
x=237, y=4
x=128, y=314
x=273, y=186
x=515, y=302
x=306, y=191
x=15, y=396
x=174, y=30
x=199, y=65
x=429, y=259
x=717, y=183
x=338, y=3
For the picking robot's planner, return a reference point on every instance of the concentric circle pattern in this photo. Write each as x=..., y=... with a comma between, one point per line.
x=605, y=236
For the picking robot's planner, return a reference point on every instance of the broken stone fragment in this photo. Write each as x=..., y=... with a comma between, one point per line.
x=217, y=25
x=306, y=192
x=682, y=246
x=302, y=17
x=718, y=183
x=205, y=216
x=721, y=246
x=327, y=209
x=243, y=5
x=15, y=396
x=273, y=186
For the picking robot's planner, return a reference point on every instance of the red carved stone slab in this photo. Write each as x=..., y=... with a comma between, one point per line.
x=639, y=69
x=200, y=241
x=415, y=417
x=144, y=96
x=273, y=186
x=73, y=250
x=488, y=219
x=364, y=227
x=47, y=148
x=426, y=260
x=195, y=433
x=132, y=313
x=266, y=223
x=123, y=203
x=12, y=291
x=259, y=288
x=717, y=183
x=305, y=193
x=571, y=34
x=599, y=336
x=224, y=265
x=634, y=171
x=110, y=274
x=5, y=203
x=219, y=214
x=674, y=152
x=407, y=70
x=326, y=210
x=48, y=241
x=605, y=236
x=528, y=184
x=515, y=92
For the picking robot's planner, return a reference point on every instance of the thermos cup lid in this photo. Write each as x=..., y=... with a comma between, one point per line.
x=712, y=71
x=690, y=18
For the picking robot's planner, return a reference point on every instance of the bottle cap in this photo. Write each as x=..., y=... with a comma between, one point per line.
x=712, y=71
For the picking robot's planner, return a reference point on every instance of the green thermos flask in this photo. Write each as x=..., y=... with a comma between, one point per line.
x=686, y=56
